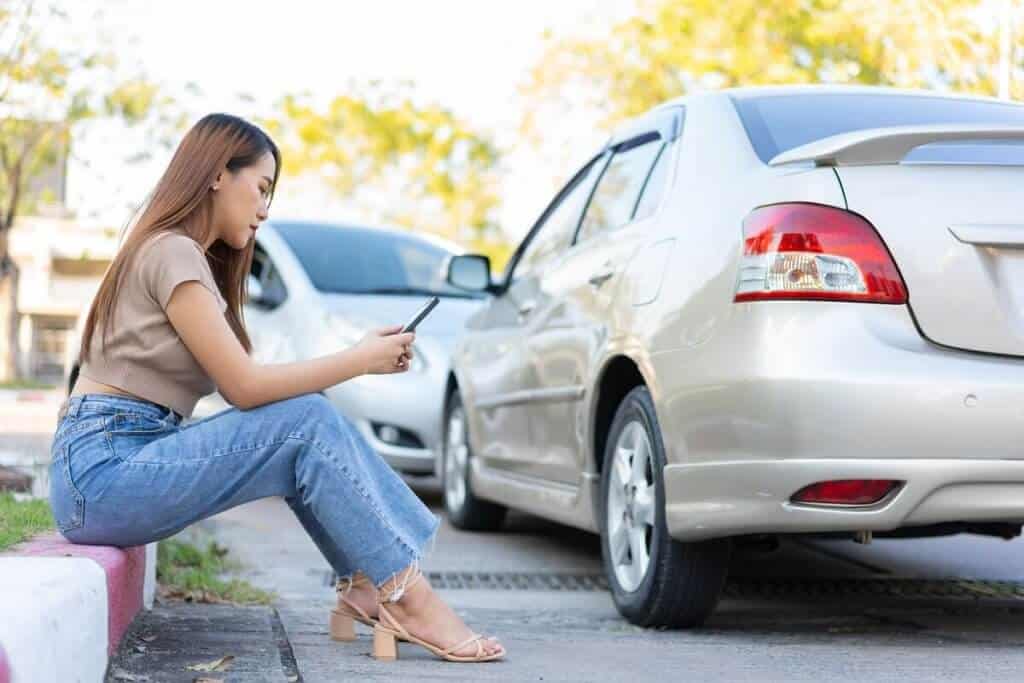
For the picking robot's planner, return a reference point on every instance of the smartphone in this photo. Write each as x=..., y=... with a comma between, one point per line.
x=420, y=315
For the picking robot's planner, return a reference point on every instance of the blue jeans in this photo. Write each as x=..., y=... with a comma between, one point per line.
x=125, y=472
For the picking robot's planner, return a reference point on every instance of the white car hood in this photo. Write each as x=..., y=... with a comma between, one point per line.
x=445, y=323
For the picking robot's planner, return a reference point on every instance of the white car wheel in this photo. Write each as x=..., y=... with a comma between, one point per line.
x=630, y=509
x=464, y=509
x=456, y=460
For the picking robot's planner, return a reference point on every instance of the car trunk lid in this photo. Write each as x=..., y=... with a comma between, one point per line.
x=956, y=233
x=946, y=199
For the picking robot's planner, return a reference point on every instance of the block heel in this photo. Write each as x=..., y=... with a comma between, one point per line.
x=343, y=627
x=385, y=645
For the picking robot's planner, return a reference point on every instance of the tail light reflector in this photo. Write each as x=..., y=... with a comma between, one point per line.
x=811, y=251
x=846, y=491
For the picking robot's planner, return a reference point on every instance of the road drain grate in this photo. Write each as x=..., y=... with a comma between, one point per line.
x=894, y=588
x=524, y=581
x=738, y=587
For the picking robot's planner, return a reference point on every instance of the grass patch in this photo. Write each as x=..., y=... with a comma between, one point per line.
x=20, y=520
x=188, y=572
x=26, y=384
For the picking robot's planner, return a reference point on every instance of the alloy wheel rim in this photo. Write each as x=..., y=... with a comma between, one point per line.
x=630, y=507
x=455, y=461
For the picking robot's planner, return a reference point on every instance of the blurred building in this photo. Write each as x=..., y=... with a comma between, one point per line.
x=60, y=262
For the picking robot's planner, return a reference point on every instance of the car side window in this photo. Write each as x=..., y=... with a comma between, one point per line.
x=654, y=188
x=259, y=258
x=264, y=270
x=618, y=189
x=554, y=234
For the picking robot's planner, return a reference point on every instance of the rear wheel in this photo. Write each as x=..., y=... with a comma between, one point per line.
x=464, y=509
x=654, y=579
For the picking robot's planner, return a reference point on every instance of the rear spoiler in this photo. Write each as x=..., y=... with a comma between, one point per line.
x=875, y=146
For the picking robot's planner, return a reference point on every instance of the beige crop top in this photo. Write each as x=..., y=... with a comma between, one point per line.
x=144, y=354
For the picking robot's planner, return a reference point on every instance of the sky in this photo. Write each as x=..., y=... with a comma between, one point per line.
x=468, y=55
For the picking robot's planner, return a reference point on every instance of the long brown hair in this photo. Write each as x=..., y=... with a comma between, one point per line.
x=182, y=200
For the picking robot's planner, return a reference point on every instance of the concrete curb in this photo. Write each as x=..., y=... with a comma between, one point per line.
x=31, y=396
x=66, y=607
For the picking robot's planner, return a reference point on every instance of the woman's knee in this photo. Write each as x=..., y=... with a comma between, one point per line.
x=314, y=408
x=311, y=405
x=320, y=419
x=304, y=409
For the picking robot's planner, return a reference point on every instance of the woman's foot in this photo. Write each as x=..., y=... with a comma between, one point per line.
x=423, y=614
x=363, y=594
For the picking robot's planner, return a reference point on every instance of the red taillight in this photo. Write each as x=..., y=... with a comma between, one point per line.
x=846, y=491
x=810, y=251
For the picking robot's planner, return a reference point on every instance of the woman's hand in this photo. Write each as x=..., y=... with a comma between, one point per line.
x=384, y=351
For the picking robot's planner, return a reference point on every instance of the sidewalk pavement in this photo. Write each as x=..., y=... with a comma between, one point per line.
x=29, y=395
x=27, y=421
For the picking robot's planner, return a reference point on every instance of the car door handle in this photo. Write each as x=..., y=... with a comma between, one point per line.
x=526, y=308
x=602, y=276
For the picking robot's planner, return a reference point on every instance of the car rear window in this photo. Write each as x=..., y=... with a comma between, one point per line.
x=777, y=123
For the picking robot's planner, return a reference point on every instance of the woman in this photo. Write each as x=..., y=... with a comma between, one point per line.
x=166, y=328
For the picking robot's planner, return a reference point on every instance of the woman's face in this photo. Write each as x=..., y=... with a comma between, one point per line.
x=240, y=201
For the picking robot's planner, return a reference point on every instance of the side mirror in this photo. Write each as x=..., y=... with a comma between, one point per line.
x=470, y=271
x=255, y=290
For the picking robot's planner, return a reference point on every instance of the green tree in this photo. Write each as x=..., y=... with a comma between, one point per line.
x=671, y=47
x=48, y=87
x=424, y=167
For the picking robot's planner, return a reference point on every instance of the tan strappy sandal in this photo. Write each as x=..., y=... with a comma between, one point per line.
x=344, y=616
x=387, y=632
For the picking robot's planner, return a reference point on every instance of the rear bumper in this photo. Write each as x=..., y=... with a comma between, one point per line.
x=743, y=497
x=821, y=380
x=787, y=394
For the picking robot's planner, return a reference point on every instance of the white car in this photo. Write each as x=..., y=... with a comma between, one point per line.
x=754, y=312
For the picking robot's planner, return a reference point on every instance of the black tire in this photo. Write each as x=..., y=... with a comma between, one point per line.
x=466, y=512
x=72, y=378
x=683, y=581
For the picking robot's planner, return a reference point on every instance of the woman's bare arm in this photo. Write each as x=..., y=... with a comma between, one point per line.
x=195, y=315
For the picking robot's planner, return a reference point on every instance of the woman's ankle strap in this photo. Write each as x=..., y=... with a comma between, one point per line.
x=400, y=585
